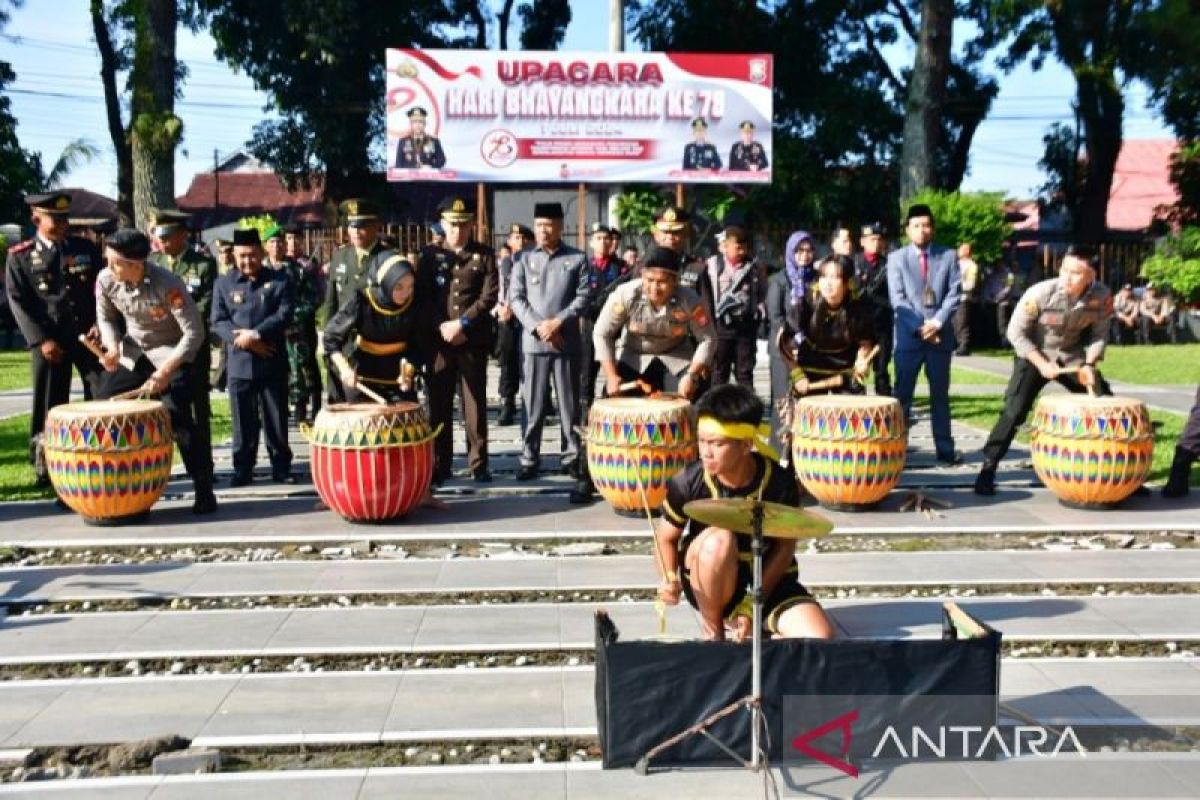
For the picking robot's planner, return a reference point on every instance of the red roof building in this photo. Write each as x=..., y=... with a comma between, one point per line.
x=242, y=187
x=1141, y=183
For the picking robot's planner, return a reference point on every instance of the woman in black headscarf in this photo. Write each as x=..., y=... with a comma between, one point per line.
x=389, y=326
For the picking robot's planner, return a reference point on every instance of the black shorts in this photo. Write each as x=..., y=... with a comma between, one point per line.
x=789, y=592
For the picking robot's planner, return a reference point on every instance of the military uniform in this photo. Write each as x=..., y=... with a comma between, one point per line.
x=463, y=286
x=550, y=285
x=304, y=380
x=198, y=273
x=264, y=305
x=656, y=345
x=746, y=157
x=1068, y=333
x=1151, y=307
x=350, y=272
x=52, y=294
x=162, y=323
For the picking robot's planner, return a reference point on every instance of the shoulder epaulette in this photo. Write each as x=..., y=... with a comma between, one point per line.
x=21, y=247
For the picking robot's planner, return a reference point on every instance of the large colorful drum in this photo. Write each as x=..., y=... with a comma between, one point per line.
x=109, y=460
x=635, y=445
x=1092, y=452
x=849, y=450
x=371, y=462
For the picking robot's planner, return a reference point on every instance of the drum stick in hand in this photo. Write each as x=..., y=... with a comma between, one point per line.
x=96, y=349
x=371, y=393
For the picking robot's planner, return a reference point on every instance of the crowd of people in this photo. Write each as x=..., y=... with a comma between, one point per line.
x=144, y=314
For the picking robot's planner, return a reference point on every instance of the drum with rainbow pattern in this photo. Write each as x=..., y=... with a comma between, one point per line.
x=635, y=445
x=1092, y=452
x=848, y=451
x=109, y=460
x=370, y=462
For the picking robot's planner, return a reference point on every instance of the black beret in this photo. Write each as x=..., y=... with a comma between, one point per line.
x=918, y=210
x=872, y=229
x=246, y=237
x=548, y=211
x=661, y=258
x=130, y=243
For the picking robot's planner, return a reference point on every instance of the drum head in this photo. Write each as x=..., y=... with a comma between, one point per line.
x=91, y=409
x=343, y=411
x=641, y=405
x=1075, y=403
x=855, y=402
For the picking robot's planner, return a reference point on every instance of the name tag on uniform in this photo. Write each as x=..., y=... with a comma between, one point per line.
x=1051, y=318
x=237, y=298
x=194, y=281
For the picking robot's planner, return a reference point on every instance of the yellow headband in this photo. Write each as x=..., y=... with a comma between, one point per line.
x=740, y=430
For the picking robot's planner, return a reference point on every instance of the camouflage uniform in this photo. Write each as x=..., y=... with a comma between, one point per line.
x=304, y=379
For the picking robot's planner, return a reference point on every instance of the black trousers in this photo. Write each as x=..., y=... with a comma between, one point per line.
x=962, y=323
x=459, y=369
x=260, y=406
x=1189, y=440
x=52, y=387
x=1023, y=388
x=735, y=354
x=201, y=402
x=1124, y=334
x=508, y=354
x=589, y=369
x=1147, y=329
x=1003, y=314
x=195, y=442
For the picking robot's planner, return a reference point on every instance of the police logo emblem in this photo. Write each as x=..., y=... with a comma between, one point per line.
x=758, y=70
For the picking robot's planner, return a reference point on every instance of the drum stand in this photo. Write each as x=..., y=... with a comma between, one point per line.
x=751, y=702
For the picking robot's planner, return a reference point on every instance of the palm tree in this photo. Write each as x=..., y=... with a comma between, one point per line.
x=77, y=153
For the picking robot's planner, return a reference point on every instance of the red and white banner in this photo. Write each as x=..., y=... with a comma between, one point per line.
x=496, y=116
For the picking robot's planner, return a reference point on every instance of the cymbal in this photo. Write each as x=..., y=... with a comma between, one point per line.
x=778, y=521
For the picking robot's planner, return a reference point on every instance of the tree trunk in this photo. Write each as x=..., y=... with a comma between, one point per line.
x=502, y=19
x=1102, y=109
x=926, y=94
x=155, y=130
x=112, y=107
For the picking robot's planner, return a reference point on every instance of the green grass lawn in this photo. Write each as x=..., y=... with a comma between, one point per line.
x=983, y=411
x=14, y=370
x=16, y=474
x=1152, y=364
x=959, y=376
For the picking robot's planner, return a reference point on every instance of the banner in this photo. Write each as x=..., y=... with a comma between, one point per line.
x=530, y=116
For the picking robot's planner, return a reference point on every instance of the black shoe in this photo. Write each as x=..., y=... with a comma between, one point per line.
x=1181, y=473
x=241, y=480
x=527, y=472
x=205, y=502
x=953, y=460
x=283, y=477
x=508, y=413
x=568, y=469
x=481, y=475
x=985, y=482
x=581, y=493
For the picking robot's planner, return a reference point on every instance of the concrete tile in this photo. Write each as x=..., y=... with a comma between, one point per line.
x=295, y=785
x=170, y=633
x=256, y=578
x=57, y=635
x=579, y=698
x=633, y=620
x=1066, y=617
x=84, y=582
x=311, y=704
x=139, y=788
x=468, y=700
x=1171, y=616
x=326, y=630
x=381, y=576
x=500, y=784
x=1092, y=777
x=102, y=711
x=524, y=626
x=526, y=573
x=19, y=704
x=609, y=571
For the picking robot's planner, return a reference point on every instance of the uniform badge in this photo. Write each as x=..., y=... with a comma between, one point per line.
x=193, y=281
x=237, y=297
x=678, y=330
x=700, y=315
x=175, y=298
x=441, y=280
x=42, y=286
x=1052, y=318
x=1031, y=307
x=679, y=315
x=341, y=270
x=158, y=313
x=618, y=307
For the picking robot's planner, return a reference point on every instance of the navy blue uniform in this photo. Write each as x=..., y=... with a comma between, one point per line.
x=265, y=306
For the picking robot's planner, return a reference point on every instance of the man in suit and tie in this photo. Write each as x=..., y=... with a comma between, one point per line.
x=549, y=294
x=925, y=289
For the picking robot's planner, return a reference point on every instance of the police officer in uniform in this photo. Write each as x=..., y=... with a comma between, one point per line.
x=419, y=149
x=350, y=271
x=252, y=307
x=666, y=334
x=747, y=155
x=1156, y=312
x=1058, y=331
x=461, y=278
x=1125, y=316
x=606, y=271
x=673, y=230
x=549, y=295
x=51, y=285
x=700, y=153
x=198, y=272
x=508, y=327
x=164, y=336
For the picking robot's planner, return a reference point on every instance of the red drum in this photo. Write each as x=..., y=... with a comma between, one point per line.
x=371, y=463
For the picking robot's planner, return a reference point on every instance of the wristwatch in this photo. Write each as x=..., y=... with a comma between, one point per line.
x=464, y=321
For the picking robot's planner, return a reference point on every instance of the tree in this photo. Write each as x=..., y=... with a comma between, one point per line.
x=113, y=60
x=76, y=153
x=154, y=128
x=975, y=218
x=20, y=169
x=1185, y=177
x=544, y=23
x=926, y=95
x=1098, y=41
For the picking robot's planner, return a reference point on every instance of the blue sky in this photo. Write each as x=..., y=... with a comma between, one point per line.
x=58, y=97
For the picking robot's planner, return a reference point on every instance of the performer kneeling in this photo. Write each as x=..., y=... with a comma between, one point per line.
x=827, y=341
x=715, y=574
x=390, y=327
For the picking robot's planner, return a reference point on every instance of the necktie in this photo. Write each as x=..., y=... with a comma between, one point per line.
x=925, y=266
